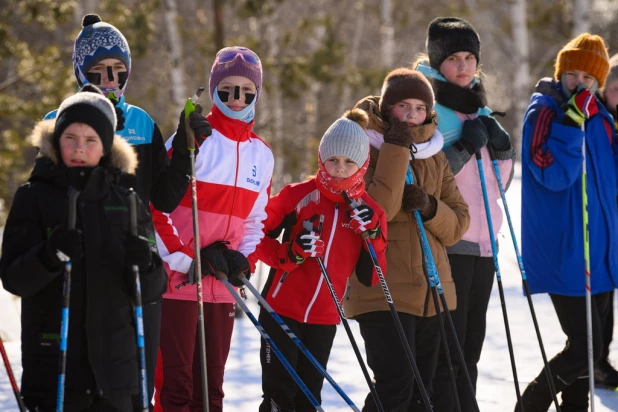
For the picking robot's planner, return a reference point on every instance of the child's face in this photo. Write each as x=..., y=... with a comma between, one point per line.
x=101, y=69
x=459, y=68
x=574, y=77
x=412, y=111
x=611, y=94
x=80, y=145
x=234, y=101
x=340, y=166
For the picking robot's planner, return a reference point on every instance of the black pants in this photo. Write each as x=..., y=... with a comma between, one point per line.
x=474, y=279
x=570, y=367
x=80, y=402
x=281, y=393
x=608, y=327
x=152, y=333
x=394, y=379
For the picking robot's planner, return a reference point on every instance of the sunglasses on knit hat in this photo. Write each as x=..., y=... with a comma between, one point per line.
x=229, y=54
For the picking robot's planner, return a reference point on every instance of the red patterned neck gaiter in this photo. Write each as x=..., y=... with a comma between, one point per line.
x=331, y=187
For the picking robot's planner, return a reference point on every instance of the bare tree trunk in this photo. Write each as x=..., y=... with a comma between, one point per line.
x=521, y=81
x=177, y=83
x=275, y=105
x=581, y=17
x=387, y=33
x=313, y=134
x=354, y=49
x=219, y=36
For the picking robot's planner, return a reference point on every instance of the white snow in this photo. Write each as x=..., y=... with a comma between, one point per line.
x=496, y=391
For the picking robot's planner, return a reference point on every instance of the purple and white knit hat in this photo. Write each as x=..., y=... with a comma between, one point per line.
x=236, y=61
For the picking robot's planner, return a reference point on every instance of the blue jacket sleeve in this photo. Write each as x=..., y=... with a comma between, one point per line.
x=552, y=151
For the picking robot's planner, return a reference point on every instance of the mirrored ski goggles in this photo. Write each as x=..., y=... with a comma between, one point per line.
x=230, y=54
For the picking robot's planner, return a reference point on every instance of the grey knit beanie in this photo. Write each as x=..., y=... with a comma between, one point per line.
x=347, y=137
x=90, y=107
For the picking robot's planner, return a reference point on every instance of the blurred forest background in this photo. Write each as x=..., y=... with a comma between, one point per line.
x=319, y=56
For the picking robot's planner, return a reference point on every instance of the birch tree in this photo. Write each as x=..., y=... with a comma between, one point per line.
x=387, y=34
x=521, y=80
x=177, y=82
x=581, y=17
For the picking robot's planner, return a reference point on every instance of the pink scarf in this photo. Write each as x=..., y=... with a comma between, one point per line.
x=331, y=187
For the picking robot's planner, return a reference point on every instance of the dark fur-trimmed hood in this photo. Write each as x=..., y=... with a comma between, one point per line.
x=123, y=156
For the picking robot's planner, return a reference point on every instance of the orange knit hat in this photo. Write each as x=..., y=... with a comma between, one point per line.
x=585, y=53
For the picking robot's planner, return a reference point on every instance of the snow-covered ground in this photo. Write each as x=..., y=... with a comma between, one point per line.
x=495, y=385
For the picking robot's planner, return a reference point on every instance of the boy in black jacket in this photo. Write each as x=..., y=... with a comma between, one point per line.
x=79, y=149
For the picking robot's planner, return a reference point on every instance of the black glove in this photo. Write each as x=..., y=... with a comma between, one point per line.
x=137, y=252
x=398, y=134
x=499, y=139
x=200, y=126
x=213, y=260
x=68, y=242
x=119, y=115
x=237, y=263
x=415, y=198
x=474, y=135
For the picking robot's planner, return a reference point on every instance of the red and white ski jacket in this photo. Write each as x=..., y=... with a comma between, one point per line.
x=303, y=295
x=233, y=170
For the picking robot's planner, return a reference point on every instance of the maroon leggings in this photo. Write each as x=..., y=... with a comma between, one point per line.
x=179, y=379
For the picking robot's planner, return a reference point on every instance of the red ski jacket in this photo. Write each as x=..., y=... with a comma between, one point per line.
x=303, y=294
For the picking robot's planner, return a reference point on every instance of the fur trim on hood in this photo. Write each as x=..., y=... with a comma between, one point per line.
x=123, y=155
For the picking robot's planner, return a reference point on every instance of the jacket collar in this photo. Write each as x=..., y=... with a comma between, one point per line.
x=233, y=129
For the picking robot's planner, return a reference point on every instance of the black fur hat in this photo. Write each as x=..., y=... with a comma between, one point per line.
x=448, y=35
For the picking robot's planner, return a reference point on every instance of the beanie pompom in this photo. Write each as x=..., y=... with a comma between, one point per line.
x=359, y=116
x=90, y=19
x=91, y=89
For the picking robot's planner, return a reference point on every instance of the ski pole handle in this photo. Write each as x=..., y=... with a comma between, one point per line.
x=353, y=204
x=132, y=213
x=190, y=108
x=72, y=208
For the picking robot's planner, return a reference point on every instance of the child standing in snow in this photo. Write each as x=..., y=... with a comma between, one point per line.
x=403, y=136
x=102, y=57
x=79, y=150
x=295, y=287
x=233, y=172
x=563, y=114
x=454, y=51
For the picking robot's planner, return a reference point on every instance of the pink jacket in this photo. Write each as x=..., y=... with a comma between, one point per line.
x=233, y=171
x=468, y=182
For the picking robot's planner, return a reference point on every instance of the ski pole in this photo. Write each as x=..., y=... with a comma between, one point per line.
x=66, y=299
x=391, y=305
x=9, y=372
x=221, y=276
x=139, y=317
x=297, y=341
x=587, y=271
x=190, y=108
x=494, y=249
x=308, y=226
x=433, y=280
x=524, y=278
